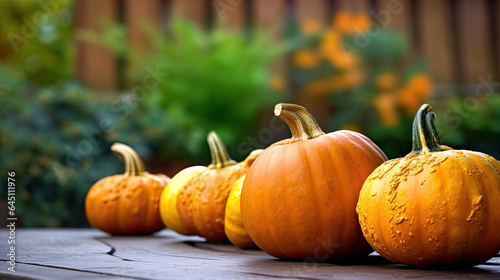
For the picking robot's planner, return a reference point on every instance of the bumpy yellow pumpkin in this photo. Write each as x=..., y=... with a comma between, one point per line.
x=435, y=206
x=194, y=202
x=127, y=203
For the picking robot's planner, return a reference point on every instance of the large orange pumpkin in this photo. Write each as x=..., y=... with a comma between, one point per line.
x=299, y=196
x=126, y=203
x=194, y=202
x=435, y=206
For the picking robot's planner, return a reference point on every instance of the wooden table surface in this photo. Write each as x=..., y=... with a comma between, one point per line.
x=89, y=254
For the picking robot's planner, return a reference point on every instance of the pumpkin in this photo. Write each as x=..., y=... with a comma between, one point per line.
x=233, y=222
x=298, y=199
x=435, y=206
x=126, y=203
x=168, y=200
x=195, y=200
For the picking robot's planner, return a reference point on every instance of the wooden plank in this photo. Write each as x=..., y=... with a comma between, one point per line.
x=88, y=253
x=95, y=65
x=312, y=10
x=394, y=14
x=310, y=13
x=353, y=6
x=435, y=37
x=230, y=13
x=138, y=15
x=475, y=40
x=269, y=15
x=496, y=25
x=193, y=10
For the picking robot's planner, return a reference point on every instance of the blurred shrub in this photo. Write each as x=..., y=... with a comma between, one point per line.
x=471, y=123
x=363, y=71
x=57, y=140
x=216, y=80
x=37, y=39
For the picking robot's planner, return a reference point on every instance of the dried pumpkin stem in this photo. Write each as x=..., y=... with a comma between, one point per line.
x=133, y=163
x=302, y=124
x=220, y=157
x=425, y=136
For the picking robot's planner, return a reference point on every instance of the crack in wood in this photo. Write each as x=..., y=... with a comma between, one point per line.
x=277, y=276
x=209, y=247
x=81, y=270
x=112, y=250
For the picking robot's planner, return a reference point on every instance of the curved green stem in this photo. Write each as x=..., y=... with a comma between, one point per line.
x=302, y=124
x=220, y=157
x=133, y=163
x=425, y=136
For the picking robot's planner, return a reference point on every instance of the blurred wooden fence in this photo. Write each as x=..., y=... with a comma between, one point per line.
x=459, y=38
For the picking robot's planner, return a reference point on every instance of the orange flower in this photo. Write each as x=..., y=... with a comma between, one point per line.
x=309, y=26
x=386, y=108
x=341, y=59
x=348, y=23
x=386, y=81
x=331, y=50
x=421, y=84
x=331, y=40
x=305, y=59
x=333, y=83
x=277, y=83
x=418, y=88
x=409, y=100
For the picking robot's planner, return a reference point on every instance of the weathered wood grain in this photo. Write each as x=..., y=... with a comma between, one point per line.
x=86, y=254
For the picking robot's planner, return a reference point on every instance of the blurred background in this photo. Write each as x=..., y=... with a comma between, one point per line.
x=158, y=75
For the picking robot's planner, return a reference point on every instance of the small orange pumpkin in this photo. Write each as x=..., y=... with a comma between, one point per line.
x=435, y=206
x=298, y=199
x=127, y=203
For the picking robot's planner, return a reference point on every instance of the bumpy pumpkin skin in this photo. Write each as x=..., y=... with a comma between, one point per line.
x=127, y=203
x=168, y=201
x=202, y=194
x=299, y=197
x=234, y=227
x=433, y=208
x=202, y=201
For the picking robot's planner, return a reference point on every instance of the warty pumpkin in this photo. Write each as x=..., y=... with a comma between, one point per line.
x=435, y=206
x=195, y=200
x=298, y=199
x=126, y=203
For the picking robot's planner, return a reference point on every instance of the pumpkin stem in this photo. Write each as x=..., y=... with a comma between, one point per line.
x=133, y=163
x=220, y=157
x=302, y=124
x=425, y=136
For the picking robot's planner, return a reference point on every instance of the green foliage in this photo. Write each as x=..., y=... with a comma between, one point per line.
x=37, y=39
x=471, y=123
x=217, y=80
x=57, y=140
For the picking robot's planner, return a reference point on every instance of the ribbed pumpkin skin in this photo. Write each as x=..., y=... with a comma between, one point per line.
x=202, y=201
x=122, y=204
x=298, y=200
x=437, y=208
